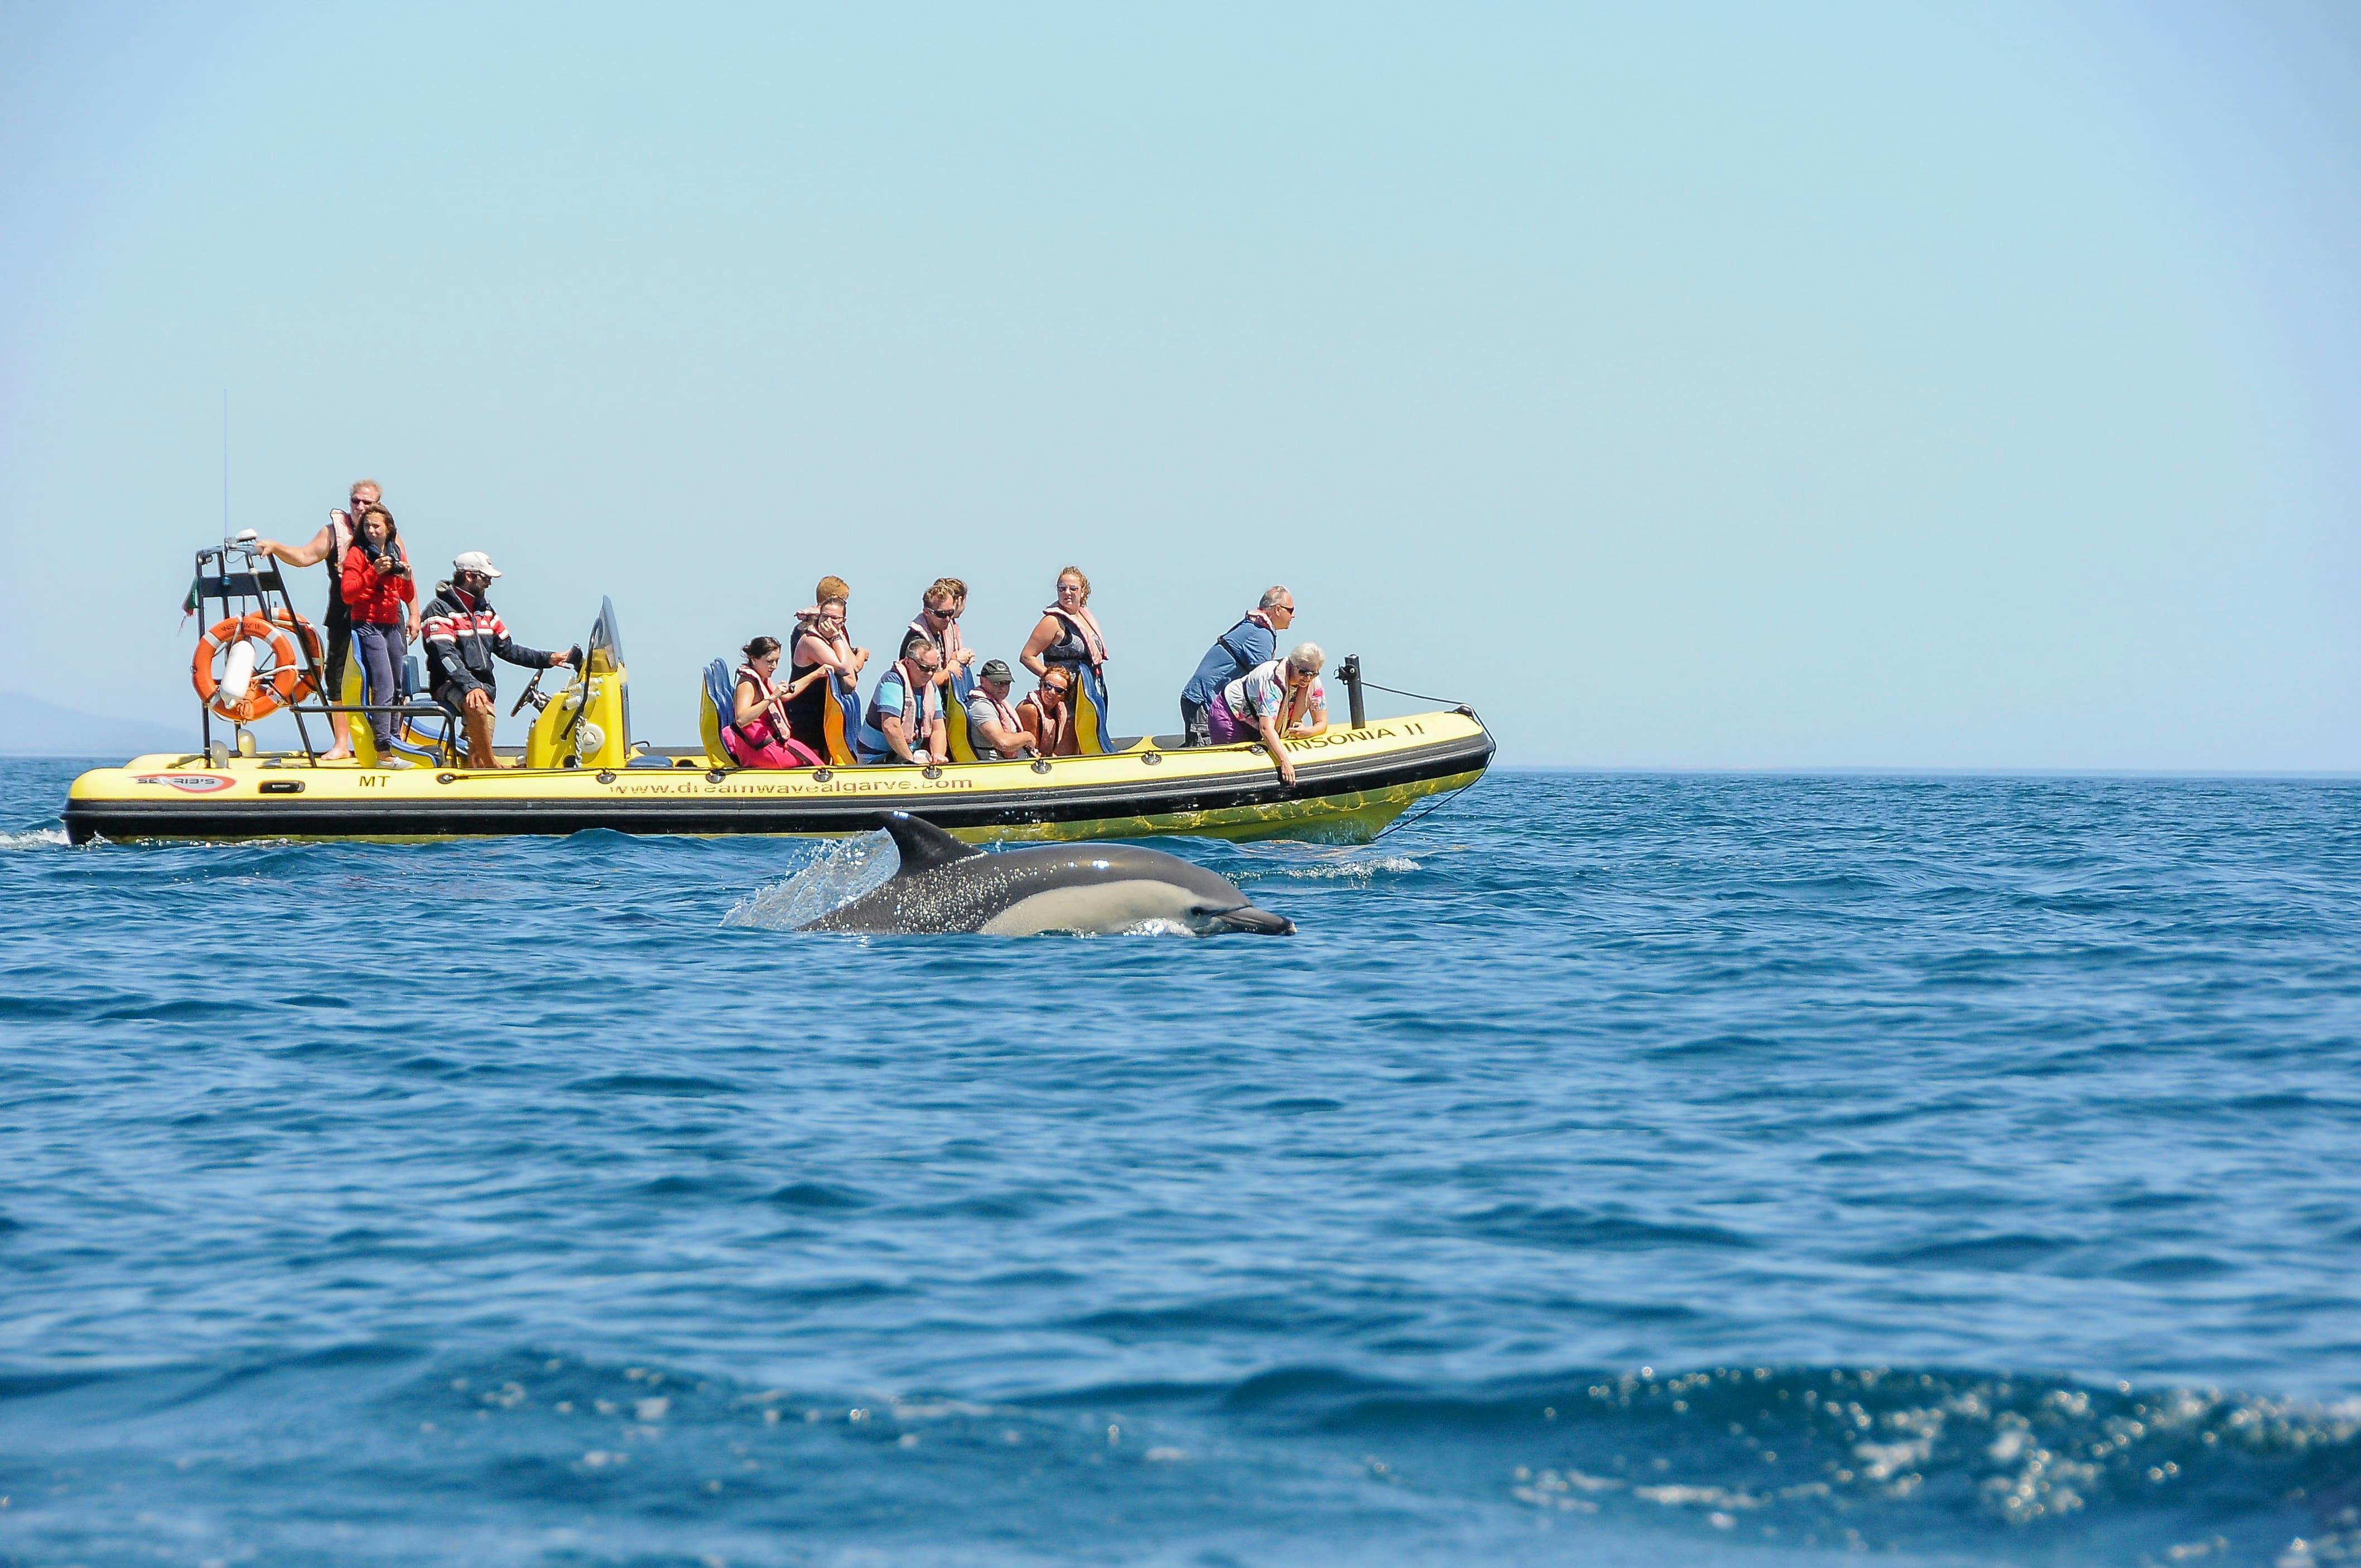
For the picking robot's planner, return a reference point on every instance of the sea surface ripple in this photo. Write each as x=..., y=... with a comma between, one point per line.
x=1615, y=1169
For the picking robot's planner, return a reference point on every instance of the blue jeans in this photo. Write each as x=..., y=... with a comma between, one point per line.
x=381, y=649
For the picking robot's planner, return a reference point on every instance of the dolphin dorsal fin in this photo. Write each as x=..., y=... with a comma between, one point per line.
x=923, y=846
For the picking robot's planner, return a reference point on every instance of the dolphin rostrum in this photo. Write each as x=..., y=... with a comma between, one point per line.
x=943, y=885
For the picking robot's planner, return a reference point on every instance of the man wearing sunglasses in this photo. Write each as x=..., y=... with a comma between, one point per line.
x=938, y=622
x=1252, y=641
x=905, y=719
x=463, y=635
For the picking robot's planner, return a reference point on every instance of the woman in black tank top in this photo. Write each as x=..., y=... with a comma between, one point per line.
x=807, y=709
x=1067, y=633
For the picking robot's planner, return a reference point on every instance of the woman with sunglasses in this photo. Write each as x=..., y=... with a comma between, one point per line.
x=1047, y=716
x=1271, y=702
x=1067, y=632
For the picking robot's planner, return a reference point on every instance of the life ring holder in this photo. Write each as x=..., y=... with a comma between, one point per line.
x=284, y=681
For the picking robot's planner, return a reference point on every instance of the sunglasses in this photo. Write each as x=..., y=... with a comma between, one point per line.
x=942, y=614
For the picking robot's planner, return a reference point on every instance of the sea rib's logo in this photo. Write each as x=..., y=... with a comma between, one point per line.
x=190, y=784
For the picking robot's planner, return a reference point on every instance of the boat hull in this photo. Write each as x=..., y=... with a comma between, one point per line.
x=1350, y=786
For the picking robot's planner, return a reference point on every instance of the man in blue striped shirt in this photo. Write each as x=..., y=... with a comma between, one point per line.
x=905, y=721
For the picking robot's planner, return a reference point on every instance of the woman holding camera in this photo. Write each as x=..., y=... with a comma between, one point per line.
x=381, y=592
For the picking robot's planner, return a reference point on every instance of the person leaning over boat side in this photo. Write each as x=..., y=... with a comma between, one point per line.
x=998, y=733
x=1251, y=642
x=381, y=592
x=1048, y=715
x=756, y=735
x=1279, y=698
x=820, y=643
x=937, y=621
x=904, y=722
x=463, y=634
x=1067, y=632
x=335, y=536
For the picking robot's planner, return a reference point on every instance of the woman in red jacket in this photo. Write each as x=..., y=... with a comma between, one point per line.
x=380, y=589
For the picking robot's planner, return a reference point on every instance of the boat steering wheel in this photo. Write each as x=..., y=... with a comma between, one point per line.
x=532, y=688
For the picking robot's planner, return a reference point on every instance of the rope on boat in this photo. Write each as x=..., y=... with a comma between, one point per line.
x=1397, y=691
x=1444, y=801
x=1431, y=810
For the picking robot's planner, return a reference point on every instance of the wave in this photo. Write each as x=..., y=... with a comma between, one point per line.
x=34, y=838
x=1952, y=1465
x=1887, y=1457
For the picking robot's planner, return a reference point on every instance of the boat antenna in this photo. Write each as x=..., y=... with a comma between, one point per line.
x=224, y=464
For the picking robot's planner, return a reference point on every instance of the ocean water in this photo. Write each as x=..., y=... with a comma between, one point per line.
x=1615, y=1169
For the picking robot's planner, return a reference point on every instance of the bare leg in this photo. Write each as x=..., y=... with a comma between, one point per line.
x=340, y=725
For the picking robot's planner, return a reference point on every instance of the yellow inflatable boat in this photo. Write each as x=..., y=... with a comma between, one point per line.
x=580, y=769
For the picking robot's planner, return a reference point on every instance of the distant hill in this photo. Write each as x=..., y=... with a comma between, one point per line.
x=31, y=727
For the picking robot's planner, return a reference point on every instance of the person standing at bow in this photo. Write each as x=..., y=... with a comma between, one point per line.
x=1252, y=641
x=335, y=537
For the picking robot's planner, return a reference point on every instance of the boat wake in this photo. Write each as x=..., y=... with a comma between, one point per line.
x=1298, y=862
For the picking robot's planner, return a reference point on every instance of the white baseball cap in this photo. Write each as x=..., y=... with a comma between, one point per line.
x=473, y=561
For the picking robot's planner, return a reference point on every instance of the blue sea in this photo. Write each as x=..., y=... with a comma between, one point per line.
x=1615, y=1169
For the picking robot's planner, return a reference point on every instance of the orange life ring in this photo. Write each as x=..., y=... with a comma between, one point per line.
x=273, y=684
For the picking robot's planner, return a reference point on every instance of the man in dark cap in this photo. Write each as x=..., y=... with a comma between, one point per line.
x=991, y=723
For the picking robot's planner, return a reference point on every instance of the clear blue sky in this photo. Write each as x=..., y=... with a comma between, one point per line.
x=1698, y=386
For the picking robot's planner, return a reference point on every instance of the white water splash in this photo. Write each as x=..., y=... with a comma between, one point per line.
x=1343, y=865
x=34, y=838
x=841, y=873
x=1159, y=928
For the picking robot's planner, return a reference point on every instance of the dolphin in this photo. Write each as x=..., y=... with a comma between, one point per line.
x=943, y=885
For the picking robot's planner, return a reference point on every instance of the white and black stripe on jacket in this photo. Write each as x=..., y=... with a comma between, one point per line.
x=463, y=636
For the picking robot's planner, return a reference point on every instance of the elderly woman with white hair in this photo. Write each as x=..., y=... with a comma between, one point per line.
x=1274, y=700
